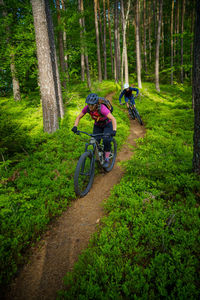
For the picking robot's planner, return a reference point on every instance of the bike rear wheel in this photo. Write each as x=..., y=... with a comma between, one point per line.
x=137, y=115
x=84, y=174
x=112, y=157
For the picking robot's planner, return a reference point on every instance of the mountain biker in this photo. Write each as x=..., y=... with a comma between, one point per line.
x=127, y=93
x=105, y=122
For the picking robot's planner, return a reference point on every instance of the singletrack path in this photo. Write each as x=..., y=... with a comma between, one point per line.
x=61, y=245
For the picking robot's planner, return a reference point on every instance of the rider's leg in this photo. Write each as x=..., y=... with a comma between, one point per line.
x=132, y=101
x=96, y=130
x=126, y=101
x=108, y=129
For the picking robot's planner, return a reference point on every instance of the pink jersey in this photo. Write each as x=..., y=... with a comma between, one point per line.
x=99, y=118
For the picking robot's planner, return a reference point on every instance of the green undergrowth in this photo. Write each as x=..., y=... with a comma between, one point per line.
x=147, y=245
x=37, y=169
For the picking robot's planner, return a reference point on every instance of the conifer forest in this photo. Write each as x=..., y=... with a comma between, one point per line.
x=145, y=240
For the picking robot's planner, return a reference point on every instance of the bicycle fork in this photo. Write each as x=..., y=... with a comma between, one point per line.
x=92, y=162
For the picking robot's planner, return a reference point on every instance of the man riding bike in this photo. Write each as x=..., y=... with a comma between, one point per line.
x=105, y=122
x=127, y=93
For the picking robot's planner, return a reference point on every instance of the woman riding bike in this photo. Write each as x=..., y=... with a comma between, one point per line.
x=105, y=122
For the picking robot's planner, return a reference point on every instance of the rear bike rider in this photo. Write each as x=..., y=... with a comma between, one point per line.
x=127, y=93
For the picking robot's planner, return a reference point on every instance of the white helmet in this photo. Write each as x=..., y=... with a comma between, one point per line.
x=126, y=86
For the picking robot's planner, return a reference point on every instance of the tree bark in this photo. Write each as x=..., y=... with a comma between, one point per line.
x=65, y=45
x=145, y=46
x=163, y=44
x=124, y=52
x=196, y=92
x=82, y=45
x=182, y=29
x=177, y=30
x=109, y=25
x=97, y=40
x=15, y=80
x=100, y=24
x=137, y=38
x=119, y=50
x=154, y=17
x=192, y=41
x=61, y=46
x=116, y=42
x=158, y=47
x=172, y=41
x=104, y=40
x=149, y=25
x=47, y=62
x=85, y=48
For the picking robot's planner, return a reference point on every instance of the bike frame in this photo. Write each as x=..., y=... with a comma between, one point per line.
x=96, y=147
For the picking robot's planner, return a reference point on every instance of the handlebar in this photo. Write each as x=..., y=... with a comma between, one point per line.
x=92, y=134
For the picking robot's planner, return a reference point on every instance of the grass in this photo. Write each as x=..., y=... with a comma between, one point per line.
x=147, y=247
x=37, y=170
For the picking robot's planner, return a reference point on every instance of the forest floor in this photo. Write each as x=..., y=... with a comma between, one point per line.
x=58, y=250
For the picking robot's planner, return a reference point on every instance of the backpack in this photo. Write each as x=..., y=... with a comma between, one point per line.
x=97, y=116
x=106, y=102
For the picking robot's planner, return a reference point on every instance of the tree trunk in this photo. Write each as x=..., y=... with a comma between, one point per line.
x=177, y=31
x=104, y=40
x=85, y=48
x=149, y=25
x=154, y=17
x=192, y=30
x=158, y=48
x=172, y=41
x=163, y=44
x=60, y=46
x=145, y=46
x=196, y=92
x=82, y=45
x=48, y=70
x=97, y=40
x=182, y=29
x=100, y=24
x=137, y=38
x=124, y=52
x=111, y=54
x=15, y=81
x=119, y=51
x=65, y=45
x=116, y=41
x=175, y=25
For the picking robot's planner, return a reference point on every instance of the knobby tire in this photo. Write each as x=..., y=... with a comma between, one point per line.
x=84, y=174
x=135, y=115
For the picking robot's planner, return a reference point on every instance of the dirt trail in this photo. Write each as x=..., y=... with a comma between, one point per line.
x=59, y=249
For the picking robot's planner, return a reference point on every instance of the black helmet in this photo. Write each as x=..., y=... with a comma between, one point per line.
x=92, y=99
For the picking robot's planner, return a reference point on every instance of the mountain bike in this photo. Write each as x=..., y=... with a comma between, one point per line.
x=85, y=169
x=134, y=113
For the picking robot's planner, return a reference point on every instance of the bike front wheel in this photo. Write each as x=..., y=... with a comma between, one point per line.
x=131, y=113
x=112, y=157
x=84, y=174
x=137, y=115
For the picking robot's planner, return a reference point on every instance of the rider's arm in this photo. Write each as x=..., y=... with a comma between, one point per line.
x=113, y=120
x=135, y=90
x=121, y=95
x=78, y=118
